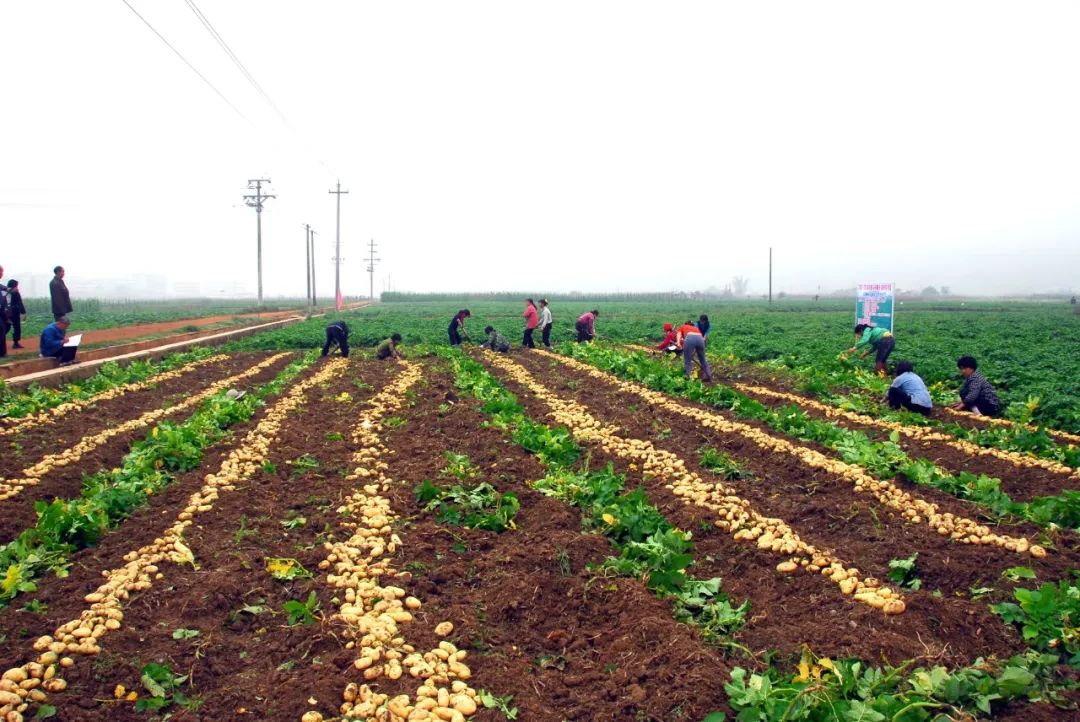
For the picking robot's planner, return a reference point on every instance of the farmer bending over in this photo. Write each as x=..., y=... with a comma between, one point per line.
x=873, y=338
x=976, y=395
x=908, y=391
x=586, y=326
x=337, y=334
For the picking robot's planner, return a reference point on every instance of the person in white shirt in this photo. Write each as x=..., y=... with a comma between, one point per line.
x=545, y=322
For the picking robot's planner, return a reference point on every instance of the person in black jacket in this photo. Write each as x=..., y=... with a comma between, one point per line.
x=16, y=312
x=337, y=333
x=61, y=300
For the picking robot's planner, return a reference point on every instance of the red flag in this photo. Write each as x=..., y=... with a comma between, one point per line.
x=340, y=305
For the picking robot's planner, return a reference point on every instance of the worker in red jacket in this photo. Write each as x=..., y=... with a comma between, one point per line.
x=669, y=344
x=532, y=320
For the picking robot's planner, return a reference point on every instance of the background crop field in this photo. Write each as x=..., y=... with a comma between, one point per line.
x=1027, y=349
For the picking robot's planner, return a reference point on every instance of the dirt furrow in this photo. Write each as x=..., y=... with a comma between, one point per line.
x=950, y=628
x=17, y=513
x=62, y=598
x=536, y=622
x=245, y=656
x=827, y=508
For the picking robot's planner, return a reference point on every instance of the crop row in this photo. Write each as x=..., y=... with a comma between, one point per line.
x=867, y=389
x=734, y=514
x=915, y=432
x=82, y=635
x=65, y=525
x=31, y=475
x=913, y=509
x=883, y=460
x=822, y=688
x=372, y=611
x=36, y=402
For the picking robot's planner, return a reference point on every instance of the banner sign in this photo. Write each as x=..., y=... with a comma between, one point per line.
x=874, y=304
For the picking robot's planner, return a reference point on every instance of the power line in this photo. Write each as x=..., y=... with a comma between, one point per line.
x=249, y=77
x=236, y=61
x=186, y=61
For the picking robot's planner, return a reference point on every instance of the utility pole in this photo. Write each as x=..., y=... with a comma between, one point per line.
x=770, y=274
x=337, y=246
x=372, y=260
x=314, y=294
x=307, y=268
x=256, y=202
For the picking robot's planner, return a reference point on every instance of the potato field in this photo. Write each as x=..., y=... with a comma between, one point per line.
x=253, y=532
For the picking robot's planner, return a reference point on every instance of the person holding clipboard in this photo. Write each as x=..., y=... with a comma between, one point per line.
x=55, y=344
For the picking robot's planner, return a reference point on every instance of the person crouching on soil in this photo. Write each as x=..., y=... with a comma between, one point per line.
x=692, y=343
x=976, y=395
x=586, y=326
x=388, y=348
x=873, y=338
x=495, y=340
x=908, y=391
x=337, y=334
x=670, y=343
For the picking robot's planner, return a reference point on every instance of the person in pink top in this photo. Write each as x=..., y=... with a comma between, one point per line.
x=586, y=326
x=532, y=320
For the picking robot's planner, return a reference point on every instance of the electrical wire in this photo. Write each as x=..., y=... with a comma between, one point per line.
x=186, y=61
x=250, y=78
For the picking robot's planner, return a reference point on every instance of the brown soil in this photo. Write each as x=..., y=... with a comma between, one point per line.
x=565, y=645
x=1020, y=482
x=826, y=512
x=17, y=513
x=536, y=628
x=64, y=597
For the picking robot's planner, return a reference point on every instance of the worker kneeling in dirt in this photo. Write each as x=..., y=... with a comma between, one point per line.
x=908, y=391
x=337, y=334
x=388, y=348
x=495, y=340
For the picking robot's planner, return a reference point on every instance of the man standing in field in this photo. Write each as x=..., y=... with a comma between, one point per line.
x=58, y=291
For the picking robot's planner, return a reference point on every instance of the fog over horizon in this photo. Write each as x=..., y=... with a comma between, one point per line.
x=597, y=147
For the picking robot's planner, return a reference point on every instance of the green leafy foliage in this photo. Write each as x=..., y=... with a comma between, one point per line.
x=850, y=691
x=478, y=507
x=1048, y=618
x=163, y=689
x=301, y=612
x=723, y=465
x=904, y=572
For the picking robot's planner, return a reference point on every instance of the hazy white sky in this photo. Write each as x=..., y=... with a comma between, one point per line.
x=548, y=146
